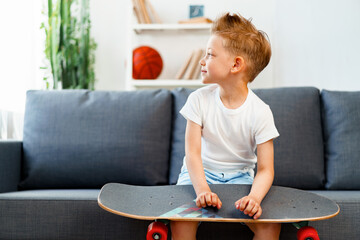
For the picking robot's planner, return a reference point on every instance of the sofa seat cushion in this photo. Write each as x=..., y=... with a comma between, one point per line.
x=345, y=196
x=341, y=116
x=85, y=139
x=53, y=195
x=75, y=214
x=346, y=222
x=63, y=214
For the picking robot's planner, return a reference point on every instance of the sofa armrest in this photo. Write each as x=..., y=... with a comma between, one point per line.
x=10, y=165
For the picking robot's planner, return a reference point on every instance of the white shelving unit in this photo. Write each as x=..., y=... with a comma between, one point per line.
x=166, y=83
x=154, y=32
x=138, y=28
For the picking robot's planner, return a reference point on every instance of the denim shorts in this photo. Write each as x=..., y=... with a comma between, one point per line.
x=217, y=177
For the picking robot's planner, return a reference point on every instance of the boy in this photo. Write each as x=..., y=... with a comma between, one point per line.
x=226, y=122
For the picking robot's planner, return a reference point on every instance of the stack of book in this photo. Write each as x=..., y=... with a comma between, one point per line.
x=191, y=68
x=196, y=20
x=145, y=12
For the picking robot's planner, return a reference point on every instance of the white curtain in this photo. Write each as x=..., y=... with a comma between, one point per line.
x=21, y=56
x=11, y=125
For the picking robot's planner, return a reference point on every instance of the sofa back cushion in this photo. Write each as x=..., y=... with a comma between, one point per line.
x=299, y=160
x=341, y=117
x=180, y=96
x=299, y=151
x=84, y=139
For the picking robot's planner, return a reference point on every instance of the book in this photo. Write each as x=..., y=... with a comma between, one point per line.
x=180, y=74
x=197, y=71
x=144, y=11
x=138, y=12
x=195, y=20
x=153, y=15
x=194, y=63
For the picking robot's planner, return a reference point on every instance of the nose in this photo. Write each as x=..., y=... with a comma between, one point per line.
x=202, y=61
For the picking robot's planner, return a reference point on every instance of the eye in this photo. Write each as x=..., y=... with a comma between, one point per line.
x=209, y=54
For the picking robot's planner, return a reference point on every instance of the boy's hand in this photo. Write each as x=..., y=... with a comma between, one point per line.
x=205, y=199
x=249, y=206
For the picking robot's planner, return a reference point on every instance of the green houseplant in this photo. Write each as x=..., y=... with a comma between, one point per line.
x=69, y=48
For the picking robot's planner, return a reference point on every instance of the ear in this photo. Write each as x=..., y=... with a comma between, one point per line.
x=238, y=64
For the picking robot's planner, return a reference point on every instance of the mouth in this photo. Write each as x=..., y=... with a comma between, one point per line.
x=203, y=71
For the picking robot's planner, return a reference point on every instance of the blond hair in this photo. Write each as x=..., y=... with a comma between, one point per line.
x=243, y=39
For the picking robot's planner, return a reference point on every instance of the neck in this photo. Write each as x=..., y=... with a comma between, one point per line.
x=233, y=96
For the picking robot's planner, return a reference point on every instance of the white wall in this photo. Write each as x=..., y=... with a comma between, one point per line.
x=20, y=51
x=109, y=20
x=314, y=43
x=317, y=43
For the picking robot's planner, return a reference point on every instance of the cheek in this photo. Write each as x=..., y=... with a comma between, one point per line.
x=211, y=66
x=216, y=68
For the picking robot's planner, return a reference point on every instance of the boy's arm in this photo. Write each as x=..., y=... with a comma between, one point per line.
x=263, y=180
x=195, y=167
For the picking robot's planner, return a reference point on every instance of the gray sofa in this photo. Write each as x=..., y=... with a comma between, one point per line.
x=76, y=141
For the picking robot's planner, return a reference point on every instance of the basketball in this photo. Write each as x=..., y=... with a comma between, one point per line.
x=147, y=63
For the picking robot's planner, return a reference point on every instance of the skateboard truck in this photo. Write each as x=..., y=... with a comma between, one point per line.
x=305, y=232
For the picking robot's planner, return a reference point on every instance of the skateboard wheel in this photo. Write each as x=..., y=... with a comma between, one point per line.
x=307, y=233
x=157, y=231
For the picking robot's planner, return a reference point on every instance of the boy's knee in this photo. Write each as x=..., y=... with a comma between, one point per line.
x=183, y=230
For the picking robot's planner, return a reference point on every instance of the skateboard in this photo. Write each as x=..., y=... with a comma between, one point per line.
x=163, y=204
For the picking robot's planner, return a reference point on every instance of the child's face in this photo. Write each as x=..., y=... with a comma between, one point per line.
x=217, y=62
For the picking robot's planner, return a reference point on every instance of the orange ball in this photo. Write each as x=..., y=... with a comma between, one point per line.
x=147, y=63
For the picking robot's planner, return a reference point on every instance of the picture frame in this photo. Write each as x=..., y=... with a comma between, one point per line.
x=196, y=11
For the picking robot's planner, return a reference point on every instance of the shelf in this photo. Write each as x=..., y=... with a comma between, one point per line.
x=164, y=36
x=138, y=28
x=167, y=83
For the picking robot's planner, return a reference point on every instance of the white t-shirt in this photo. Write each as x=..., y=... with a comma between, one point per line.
x=229, y=136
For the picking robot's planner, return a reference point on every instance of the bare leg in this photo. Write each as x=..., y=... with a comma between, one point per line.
x=184, y=230
x=265, y=231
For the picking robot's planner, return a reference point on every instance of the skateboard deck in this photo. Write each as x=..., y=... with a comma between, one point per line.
x=281, y=204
